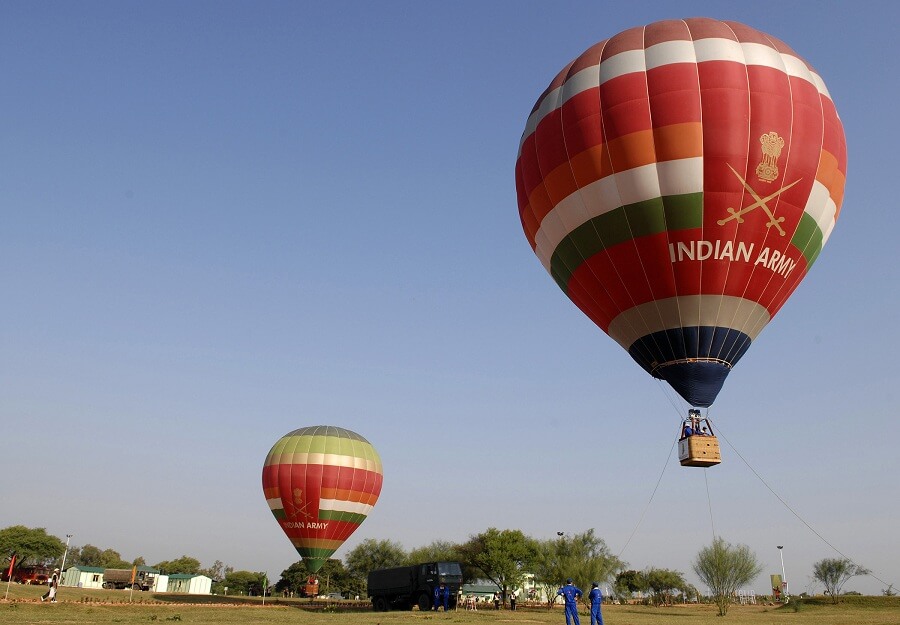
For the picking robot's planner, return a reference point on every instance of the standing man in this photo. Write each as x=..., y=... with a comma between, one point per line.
x=512, y=599
x=571, y=594
x=53, y=584
x=596, y=599
x=442, y=595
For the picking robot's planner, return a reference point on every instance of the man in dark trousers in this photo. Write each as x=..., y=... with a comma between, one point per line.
x=571, y=594
x=596, y=599
x=442, y=595
x=53, y=585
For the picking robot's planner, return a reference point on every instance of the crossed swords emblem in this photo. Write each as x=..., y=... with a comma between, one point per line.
x=760, y=202
x=297, y=506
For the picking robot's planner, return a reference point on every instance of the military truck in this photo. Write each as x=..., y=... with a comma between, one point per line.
x=121, y=578
x=402, y=587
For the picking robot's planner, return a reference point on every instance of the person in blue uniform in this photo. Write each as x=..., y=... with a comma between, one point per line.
x=571, y=594
x=596, y=599
x=442, y=595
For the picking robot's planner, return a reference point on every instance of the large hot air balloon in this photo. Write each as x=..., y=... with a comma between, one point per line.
x=677, y=181
x=320, y=483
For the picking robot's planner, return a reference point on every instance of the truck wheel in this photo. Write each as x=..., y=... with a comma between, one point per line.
x=380, y=604
x=424, y=603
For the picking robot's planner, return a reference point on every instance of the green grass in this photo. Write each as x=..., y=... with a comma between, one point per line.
x=85, y=607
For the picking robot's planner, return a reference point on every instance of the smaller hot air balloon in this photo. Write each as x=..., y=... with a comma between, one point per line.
x=320, y=483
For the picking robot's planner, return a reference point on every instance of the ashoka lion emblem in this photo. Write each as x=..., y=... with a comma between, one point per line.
x=767, y=170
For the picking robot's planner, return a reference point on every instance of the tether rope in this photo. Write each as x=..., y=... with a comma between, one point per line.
x=647, y=507
x=718, y=432
x=709, y=501
x=674, y=404
x=792, y=511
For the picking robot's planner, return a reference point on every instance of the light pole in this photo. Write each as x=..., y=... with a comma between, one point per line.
x=783, y=575
x=62, y=568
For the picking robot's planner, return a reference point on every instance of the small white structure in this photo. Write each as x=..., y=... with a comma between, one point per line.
x=189, y=584
x=83, y=576
x=160, y=583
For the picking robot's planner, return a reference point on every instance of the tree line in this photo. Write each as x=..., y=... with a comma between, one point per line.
x=503, y=557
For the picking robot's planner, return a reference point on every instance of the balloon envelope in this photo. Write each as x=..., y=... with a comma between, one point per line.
x=320, y=483
x=677, y=181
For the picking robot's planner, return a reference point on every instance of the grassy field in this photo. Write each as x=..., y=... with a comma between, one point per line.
x=85, y=607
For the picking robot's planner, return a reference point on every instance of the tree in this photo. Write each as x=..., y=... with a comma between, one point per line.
x=437, y=551
x=216, y=572
x=591, y=559
x=184, y=564
x=110, y=559
x=89, y=555
x=834, y=572
x=293, y=579
x=629, y=582
x=663, y=583
x=333, y=577
x=244, y=582
x=502, y=556
x=583, y=557
x=31, y=546
x=723, y=568
x=550, y=567
x=373, y=554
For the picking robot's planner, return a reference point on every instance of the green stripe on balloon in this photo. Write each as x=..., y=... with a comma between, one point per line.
x=808, y=238
x=339, y=515
x=632, y=221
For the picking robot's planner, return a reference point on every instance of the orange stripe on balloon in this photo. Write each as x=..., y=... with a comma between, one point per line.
x=678, y=141
x=342, y=494
x=831, y=176
x=668, y=143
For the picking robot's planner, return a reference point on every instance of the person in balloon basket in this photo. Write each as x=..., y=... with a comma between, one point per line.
x=52, y=584
x=596, y=599
x=571, y=594
x=442, y=596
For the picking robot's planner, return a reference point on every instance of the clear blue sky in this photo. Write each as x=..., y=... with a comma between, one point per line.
x=222, y=221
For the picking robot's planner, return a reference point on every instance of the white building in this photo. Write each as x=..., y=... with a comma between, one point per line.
x=189, y=584
x=83, y=576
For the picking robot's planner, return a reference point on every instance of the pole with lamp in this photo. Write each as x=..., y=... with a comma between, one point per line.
x=62, y=568
x=784, y=584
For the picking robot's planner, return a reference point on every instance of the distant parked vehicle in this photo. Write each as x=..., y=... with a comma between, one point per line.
x=29, y=574
x=122, y=578
x=403, y=587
